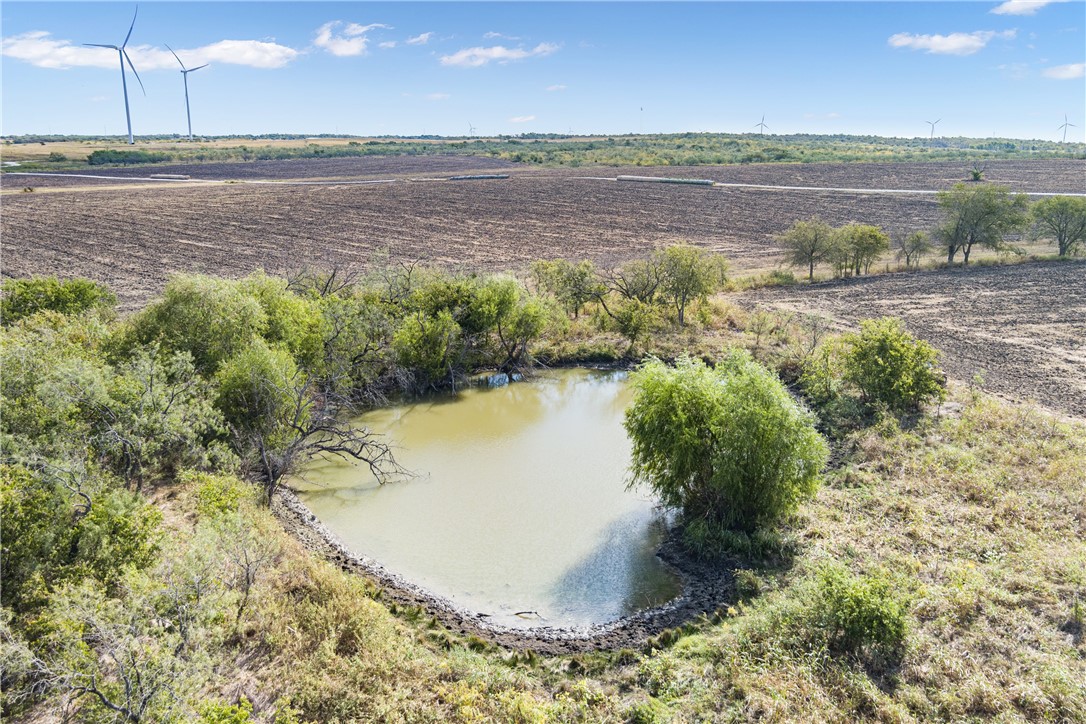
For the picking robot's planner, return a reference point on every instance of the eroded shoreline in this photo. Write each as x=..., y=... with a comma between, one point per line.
x=706, y=588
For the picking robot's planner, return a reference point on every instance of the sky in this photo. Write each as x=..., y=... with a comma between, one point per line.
x=981, y=69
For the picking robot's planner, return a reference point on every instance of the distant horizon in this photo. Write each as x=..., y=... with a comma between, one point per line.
x=1009, y=70
x=527, y=135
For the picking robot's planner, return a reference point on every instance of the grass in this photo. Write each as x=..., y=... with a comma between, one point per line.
x=972, y=517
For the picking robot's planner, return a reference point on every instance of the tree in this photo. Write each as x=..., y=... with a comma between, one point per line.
x=859, y=245
x=890, y=366
x=573, y=285
x=911, y=247
x=280, y=418
x=210, y=318
x=808, y=243
x=982, y=215
x=728, y=446
x=689, y=273
x=1062, y=219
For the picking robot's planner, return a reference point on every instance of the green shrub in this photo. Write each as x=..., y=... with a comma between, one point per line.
x=216, y=494
x=216, y=712
x=890, y=366
x=727, y=446
x=24, y=297
x=104, y=156
x=257, y=390
x=860, y=614
x=212, y=319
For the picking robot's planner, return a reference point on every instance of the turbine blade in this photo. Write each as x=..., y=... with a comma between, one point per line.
x=97, y=45
x=197, y=67
x=134, y=71
x=131, y=26
x=175, y=56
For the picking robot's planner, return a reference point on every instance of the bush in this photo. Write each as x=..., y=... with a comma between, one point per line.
x=210, y=318
x=24, y=297
x=99, y=158
x=860, y=614
x=890, y=366
x=726, y=446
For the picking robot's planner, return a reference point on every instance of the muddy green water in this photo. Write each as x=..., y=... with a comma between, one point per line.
x=518, y=502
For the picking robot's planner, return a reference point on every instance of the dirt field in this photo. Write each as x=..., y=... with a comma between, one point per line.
x=133, y=238
x=1022, y=327
x=1050, y=176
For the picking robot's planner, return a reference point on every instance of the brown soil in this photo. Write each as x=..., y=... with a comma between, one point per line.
x=134, y=238
x=1022, y=328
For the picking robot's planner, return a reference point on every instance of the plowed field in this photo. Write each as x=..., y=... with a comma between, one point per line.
x=1023, y=328
x=133, y=238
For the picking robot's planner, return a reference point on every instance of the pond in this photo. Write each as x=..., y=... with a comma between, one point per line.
x=517, y=502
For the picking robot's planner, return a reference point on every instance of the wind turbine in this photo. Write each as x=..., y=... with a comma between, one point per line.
x=185, y=74
x=471, y=130
x=123, y=56
x=932, y=124
x=1065, y=126
x=761, y=125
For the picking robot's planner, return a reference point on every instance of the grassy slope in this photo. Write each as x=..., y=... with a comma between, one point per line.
x=978, y=516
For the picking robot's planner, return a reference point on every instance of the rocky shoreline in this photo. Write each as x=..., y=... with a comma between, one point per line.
x=706, y=588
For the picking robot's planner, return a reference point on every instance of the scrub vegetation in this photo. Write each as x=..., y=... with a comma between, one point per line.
x=936, y=573
x=683, y=149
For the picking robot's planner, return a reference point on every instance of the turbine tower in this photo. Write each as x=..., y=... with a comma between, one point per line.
x=123, y=56
x=761, y=126
x=932, y=124
x=471, y=130
x=1065, y=126
x=185, y=74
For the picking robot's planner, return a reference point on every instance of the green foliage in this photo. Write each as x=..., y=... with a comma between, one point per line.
x=217, y=712
x=24, y=297
x=892, y=367
x=255, y=391
x=1062, y=219
x=293, y=322
x=57, y=530
x=808, y=243
x=911, y=247
x=633, y=319
x=573, y=285
x=216, y=494
x=726, y=446
x=857, y=247
x=102, y=157
x=211, y=319
x=860, y=614
x=689, y=274
x=426, y=345
x=983, y=215
x=158, y=417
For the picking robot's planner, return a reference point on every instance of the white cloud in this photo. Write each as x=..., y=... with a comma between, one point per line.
x=953, y=44
x=1065, y=72
x=39, y=48
x=1021, y=7
x=492, y=35
x=350, y=41
x=421, y=39
x=476, y=57
x=437, y=96
x=557, y=87
x=387, y=44
x=521, y=119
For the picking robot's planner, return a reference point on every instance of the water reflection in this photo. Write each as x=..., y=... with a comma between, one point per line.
x=519, y=504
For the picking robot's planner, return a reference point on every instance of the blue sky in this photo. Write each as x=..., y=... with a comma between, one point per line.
x=984, y=68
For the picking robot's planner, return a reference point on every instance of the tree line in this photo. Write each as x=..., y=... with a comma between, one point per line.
x=973, y=216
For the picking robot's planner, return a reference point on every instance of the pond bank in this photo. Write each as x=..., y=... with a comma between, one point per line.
x=706, y=588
